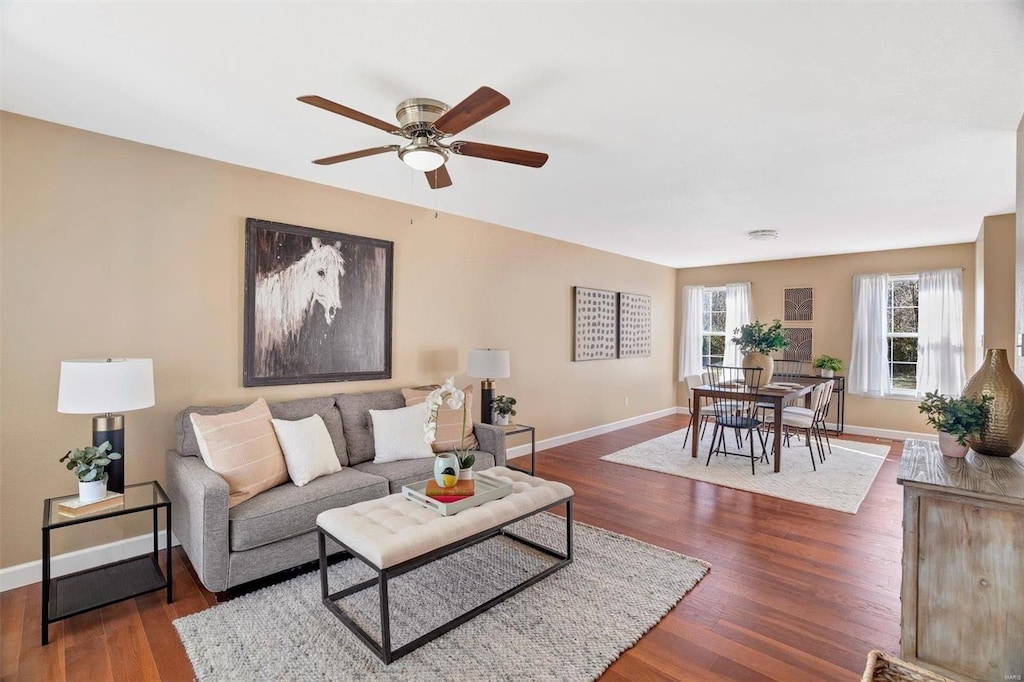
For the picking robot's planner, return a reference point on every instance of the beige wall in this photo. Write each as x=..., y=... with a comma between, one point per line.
x=995, y=266
x=831, y=278
x=112, y=248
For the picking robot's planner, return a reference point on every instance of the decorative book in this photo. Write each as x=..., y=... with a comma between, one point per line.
x=464, y=488
x=75, y=508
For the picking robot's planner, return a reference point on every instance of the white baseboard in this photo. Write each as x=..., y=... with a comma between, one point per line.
x=82, y=559
x=547, y=443
x=886, y=433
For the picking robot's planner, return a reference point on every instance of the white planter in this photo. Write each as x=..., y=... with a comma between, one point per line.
x=949, y=446
x=465, y=474
x=92, y=491
x=501, y=419
x=827, y=373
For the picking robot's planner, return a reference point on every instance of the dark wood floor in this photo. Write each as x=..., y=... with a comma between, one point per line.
x=794, y=592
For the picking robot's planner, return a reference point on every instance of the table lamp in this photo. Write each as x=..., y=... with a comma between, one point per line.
x=488, y=364
x=107, y=386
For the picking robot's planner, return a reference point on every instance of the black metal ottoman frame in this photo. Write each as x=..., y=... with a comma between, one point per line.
x=383, y=650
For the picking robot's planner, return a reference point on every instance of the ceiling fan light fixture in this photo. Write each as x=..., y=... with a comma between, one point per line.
x=762, y=235
x=422, y=157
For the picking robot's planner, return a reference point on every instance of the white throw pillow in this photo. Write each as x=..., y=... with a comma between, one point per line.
x=398, y=434
x=308, y=449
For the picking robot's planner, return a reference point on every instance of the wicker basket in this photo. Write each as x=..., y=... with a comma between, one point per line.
x=883, y=667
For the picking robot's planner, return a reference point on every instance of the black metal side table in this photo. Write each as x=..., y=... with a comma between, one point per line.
x=513, y=429
x=75, y=593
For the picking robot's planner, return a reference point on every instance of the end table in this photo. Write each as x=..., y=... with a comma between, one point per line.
x=75, y=593
x=513, y=429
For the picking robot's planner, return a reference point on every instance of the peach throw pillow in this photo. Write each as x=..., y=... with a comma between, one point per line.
x=449, y=421
x=242, y=447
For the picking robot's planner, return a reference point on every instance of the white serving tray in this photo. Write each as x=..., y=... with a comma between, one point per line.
x=487, y=488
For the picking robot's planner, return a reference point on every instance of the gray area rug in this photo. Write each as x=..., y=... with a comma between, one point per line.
x=840, y=483
x=570, y=626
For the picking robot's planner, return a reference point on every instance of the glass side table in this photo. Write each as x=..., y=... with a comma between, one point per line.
x=75, y=593
x=513, y=429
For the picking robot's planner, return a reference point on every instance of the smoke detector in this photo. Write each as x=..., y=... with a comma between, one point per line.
x=762, y=235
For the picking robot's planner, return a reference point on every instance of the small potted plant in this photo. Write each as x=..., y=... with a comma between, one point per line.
x=89, y=464
x=756, y=340
x=504, y=407
x=828, y=365
x=957, y=419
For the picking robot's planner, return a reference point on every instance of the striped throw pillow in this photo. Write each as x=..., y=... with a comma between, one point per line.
x=242, y=447
x=449, y=421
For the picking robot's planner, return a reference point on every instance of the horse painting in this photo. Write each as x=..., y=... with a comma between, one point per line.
x=285, y=300
x=318, y=305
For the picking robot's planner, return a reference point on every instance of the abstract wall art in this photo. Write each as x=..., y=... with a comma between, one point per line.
x=595, y=324
x=798, y=304
x=801, y=343
x=634, y=326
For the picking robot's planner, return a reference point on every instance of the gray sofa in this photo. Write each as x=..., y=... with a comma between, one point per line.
x=275, y=530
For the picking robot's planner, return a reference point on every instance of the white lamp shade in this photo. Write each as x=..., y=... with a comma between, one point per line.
x=102, y=385
x=489, y=363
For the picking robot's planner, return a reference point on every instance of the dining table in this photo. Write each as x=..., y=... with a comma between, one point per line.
x=777, y=394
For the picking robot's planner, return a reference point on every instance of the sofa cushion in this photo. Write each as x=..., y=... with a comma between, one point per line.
x=355, y=415
x=307, y=447
x=415, y=470
x=243, y=448
x=454, y=426
x=290, y=409
x=287, y=510
x=400, y=434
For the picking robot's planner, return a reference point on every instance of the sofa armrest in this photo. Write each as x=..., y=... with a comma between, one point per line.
x=492, y=440
x=199, y=511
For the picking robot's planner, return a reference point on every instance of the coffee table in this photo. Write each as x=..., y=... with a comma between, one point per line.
x=414, y=537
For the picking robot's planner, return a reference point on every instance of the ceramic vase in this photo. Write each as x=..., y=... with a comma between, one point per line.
x=465, y=474
x=1004, y=433
x=446, y=469
x=92, y=491
x=949, y=446
x=765, y=362
x=501, y=419
x=827, y=373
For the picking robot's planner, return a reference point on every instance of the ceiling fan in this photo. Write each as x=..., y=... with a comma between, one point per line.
x=426, y=123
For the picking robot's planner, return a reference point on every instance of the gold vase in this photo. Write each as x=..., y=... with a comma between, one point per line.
x=1004, y=433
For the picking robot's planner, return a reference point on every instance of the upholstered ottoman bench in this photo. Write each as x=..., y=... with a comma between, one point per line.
x=393, y=535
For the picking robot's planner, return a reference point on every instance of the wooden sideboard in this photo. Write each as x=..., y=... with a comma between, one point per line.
x=963, y=563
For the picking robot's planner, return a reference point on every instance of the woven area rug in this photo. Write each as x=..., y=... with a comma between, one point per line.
x=569, y=626
x=840, y=483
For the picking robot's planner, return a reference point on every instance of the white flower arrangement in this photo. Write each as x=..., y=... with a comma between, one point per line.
x=448, y=394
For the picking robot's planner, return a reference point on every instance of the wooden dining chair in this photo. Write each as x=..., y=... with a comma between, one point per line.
x=704, y=412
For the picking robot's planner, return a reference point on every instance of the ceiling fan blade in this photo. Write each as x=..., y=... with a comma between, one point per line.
x=327, y=161
x=439, y=178
x=342, y=110
x=473, y=109
x=495, y=153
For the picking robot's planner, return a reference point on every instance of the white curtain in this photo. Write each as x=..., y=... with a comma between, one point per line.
x=940, y=333
x=690, y=338
x=869, y=358
x=737, y=312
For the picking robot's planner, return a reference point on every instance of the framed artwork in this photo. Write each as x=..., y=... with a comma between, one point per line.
x=798, y=304
x=595, y=324
x=801, y=343
x=634, y=326
x=317, y=305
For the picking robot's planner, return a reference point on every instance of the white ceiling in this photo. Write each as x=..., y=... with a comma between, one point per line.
x=673, y=128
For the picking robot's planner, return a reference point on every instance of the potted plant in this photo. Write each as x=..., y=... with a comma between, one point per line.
x=828, y=365
x=756, y=340
x=957, y=419
x=449, y=467
x=504, y=407
x=89, y=464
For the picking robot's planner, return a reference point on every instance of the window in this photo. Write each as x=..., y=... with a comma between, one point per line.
x=713, y=327
x=901, y=332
